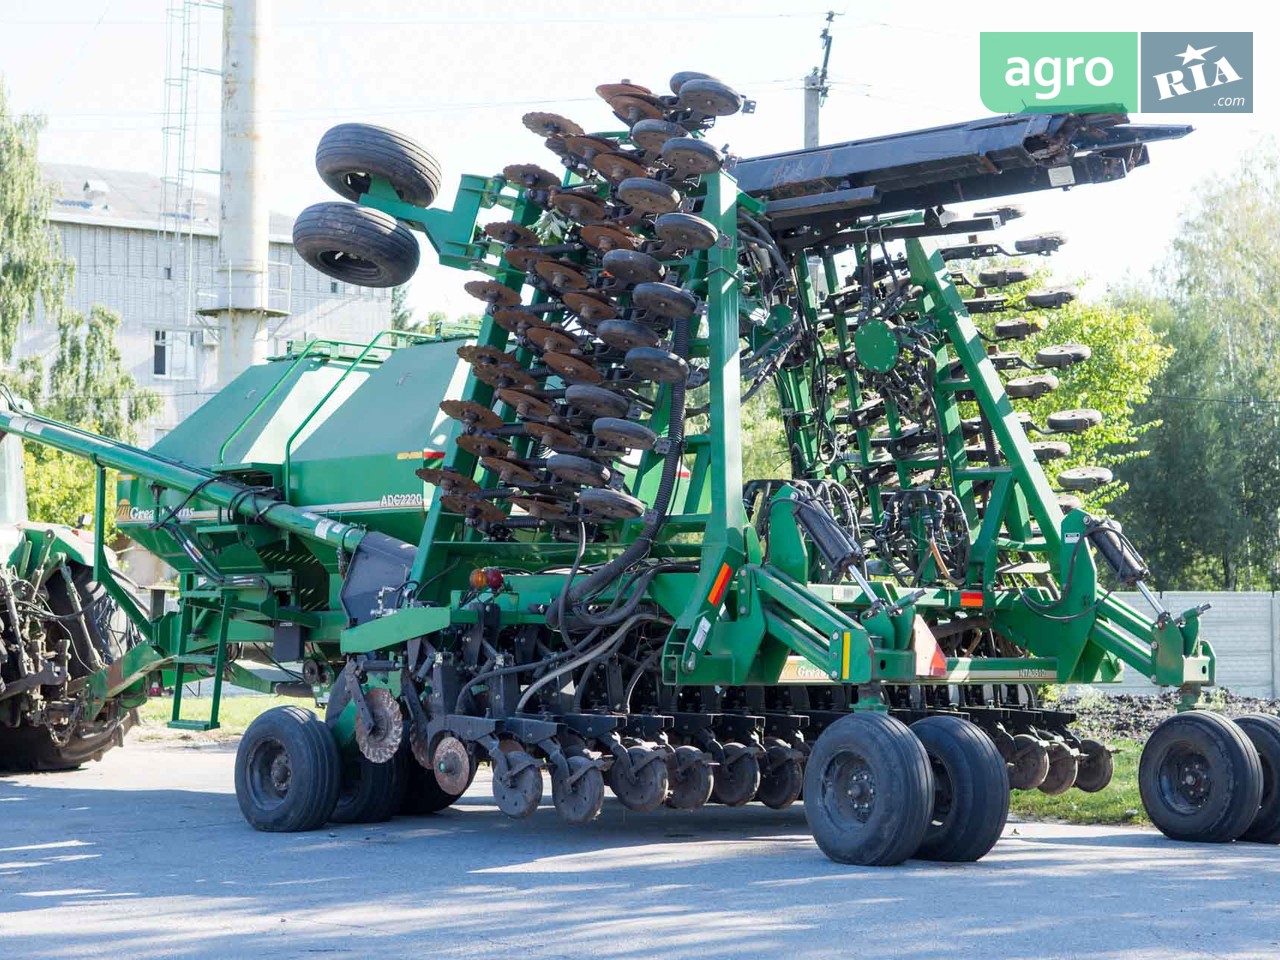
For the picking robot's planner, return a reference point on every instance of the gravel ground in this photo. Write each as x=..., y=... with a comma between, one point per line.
x=1132, y=717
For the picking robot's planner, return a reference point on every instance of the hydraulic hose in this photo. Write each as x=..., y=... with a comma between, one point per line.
x=592, y=584
x=605, y=646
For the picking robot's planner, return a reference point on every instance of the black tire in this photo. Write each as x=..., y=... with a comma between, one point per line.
x=665, y=300
x=288, y=772
x=691, y=157
x=624, y=433
x=349, y=153
x=1084, y=479
x=357, y=245
x=422, y=792
x=891, y=827
x=1263, y=731
x=1200, y=778
x=970, y=793
x=685, y=231
x=648, y=196
x=711, y=97
x=28, y=749
x=369, y=792
x=1074, y=421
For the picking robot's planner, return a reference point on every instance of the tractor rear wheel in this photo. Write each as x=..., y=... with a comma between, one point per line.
x=288, y=771
x=1263, y=730
x=1200, y=778
x=970, y=790
x=868, y=790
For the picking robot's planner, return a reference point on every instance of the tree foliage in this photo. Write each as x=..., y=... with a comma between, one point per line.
x=437, y=323
x=33, y=271
x=1204, y=504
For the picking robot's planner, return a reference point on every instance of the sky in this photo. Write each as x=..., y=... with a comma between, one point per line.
x=458, y=77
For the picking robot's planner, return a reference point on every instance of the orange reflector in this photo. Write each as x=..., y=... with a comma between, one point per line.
x=720, y=586
x=970, y=598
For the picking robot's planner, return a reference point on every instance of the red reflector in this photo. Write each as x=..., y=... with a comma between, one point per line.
x=432, y=454
x=721, y=584
x=970, y=598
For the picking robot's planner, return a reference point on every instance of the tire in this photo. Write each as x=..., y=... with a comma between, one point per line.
x=369, y=792
x=356, y=245
x=312, y=772
x=422, y=792
x=28, y=749
x=1200, y=778
x=349, y=153
x=885, y=832
x=970, y=794
x=1263, y=732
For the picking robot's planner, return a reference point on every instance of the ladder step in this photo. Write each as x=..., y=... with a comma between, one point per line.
x=191, y=725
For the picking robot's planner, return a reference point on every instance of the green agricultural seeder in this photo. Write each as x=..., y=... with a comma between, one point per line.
x=546, y=557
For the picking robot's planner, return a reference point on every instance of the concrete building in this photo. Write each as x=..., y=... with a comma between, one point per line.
x=110, y=222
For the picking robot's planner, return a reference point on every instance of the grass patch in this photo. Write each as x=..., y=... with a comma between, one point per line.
x=235, y=713
x=1119, y=803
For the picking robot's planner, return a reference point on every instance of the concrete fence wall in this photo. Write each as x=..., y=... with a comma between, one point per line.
x=1244, y=629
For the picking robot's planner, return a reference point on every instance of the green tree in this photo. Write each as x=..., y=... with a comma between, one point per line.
x=33, y=271
x=1203, y=504
x=401, y=312
x=89, y=387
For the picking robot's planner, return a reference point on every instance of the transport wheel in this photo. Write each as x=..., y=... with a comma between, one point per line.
x=970, y=790
x=1096, y=766
x=1200, y=778
x=350, y=153
x=868, y=790
x=578, y=797
x=737, y=779
x=358, y=245
x=783, y=776
x=689, y=777
x=1029, y=764
x=369, y=792
x=1263, y=731
x=646, y=789
x=288, y=771
x=1063, y=769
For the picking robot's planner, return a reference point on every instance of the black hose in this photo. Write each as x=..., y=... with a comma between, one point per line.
x=592, y=584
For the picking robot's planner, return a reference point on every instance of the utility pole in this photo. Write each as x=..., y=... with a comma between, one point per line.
x=815, y=87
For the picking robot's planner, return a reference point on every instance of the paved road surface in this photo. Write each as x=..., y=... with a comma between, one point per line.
x=144, y=855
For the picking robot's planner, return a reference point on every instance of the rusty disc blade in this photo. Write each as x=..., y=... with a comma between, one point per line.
x=541, y=509
x=552, y=437
x=449, y=481
x=553, y=340
x=479, y=445
x=579, y=208
x=605, y=237
x=491, y=291
x=503, y=377
x=508, y=231
x=517, y=321
x=588, y=148
x=530, y=176
x=572, y=369
x=525, y=259
x=607, y=91
x=471, y=413
x=616, y=167
x=592, y=309
x=560, y=275
x=473, y=508
x=511, y=473
x=632, y=109
x=524, y=404
x=476, y=354
x=551, y=125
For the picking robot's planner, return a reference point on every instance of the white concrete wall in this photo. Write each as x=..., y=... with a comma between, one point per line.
x=1244, y=629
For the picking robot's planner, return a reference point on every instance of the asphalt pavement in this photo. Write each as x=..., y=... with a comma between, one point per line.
x=145, y=855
